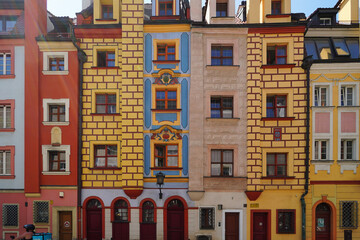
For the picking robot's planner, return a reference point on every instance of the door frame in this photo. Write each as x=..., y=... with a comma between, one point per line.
x=165, y=212
x=84, y=208
x=55, y=219
x=241, y=231
x=332, y=217
x=268, y=230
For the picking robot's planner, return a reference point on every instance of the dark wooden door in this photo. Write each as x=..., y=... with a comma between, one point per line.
x=175, y=220
x=148, y=231
x=93, y=224
x=323, y=223
x=260, y=226
x=65, y=225
x=231, y=226
x=120, y=231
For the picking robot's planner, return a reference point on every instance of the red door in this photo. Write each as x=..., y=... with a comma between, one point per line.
x=120, y=231
x=323, y=226
x=65, y=225
x=94, y=220
x=231, y=226
x=260, y=225
x=175, y=220
x=148, y=231
x=148, y=224
x=121, y=221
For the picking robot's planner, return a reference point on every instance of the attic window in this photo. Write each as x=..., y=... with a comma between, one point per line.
x=276, y=7
x=7, y=23
x=325, y=21
x=107, y=11
x=221, y=9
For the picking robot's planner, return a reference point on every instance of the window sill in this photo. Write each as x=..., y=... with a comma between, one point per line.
x=278, y=15
x=227, y=67
x=55, y=72
x=9, y=228
x=7, y=129
x=55, y=173
x=167, y=17
x=166, y=61
x=348, y=161
x=265, y=66
x=165, y=168
x=323, y=107
x=225, y=17
x=105, y=114
x=106, y=19
x=96, y=67
x=166, y=110
x=105, y=168
x=56, y=123
x=7, y=176
x=7, y=76
x=278, y=119
x=223, y=177
x=274, y=177
x=324, y=162
x=355, y=107
x=229, y=119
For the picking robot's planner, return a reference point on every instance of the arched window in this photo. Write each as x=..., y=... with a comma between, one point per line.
x=148, y=212
x=121, y=211
x=175, y=203
x=93, y=204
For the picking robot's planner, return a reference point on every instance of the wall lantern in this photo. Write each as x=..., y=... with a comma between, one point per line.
x=160, y=181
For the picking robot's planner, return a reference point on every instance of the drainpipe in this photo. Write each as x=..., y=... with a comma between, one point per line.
x=82, y=59
x=306, y=65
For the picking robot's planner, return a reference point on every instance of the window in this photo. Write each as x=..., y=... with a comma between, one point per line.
x=166, y=99
x=275, y=7
x=41, y=211
x=321, y=96
x=106, y=156
x=107, y=11
x=207, y=218
x=321, y=150
x=166, y=155
x=5, y=162
x=7, y=23
x=348, y=214
x=347, y=96
x=276, y=106
x=10, y=215
x=285, y=221
x=276, y=54
x=148, y=212
x=221, y=55
x=325, y=21
x=5, y=116
x=165, y=7
x=221, y=9
x=276, y=164
x=221, y=107
x=106, y=103
x=347, y=150
x=5, y=64
x=57, y=161
x=56, y=64
x=56, y=113
x=222, y=162
x=105, y=59
x=165, y=52
x=121, y=211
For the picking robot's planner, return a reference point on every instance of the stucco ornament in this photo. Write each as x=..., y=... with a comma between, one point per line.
x=167, y=134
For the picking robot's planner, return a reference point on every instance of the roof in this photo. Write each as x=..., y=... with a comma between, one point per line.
x=87, y=12
x=338, y=4
x=324, y=10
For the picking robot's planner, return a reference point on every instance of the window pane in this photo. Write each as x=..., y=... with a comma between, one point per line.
x=281, y=60
x=101, y=109
x=227, y=113
x=215, y=102
x=8, y=163
x=270, y=171
x=349, y=96
x=270, y=158
x=172, y=95
x=353, y=45
x=227, y=170
x=2, y=170
x=171, y=49
x=171, y=57
x=216, y=156
x=10, y=24
x=159, y=162
x=161, y=49
x=110, y=63
x=112, y=162
x=100, y=150
x=100, y=99
x=281, y=51
x=281, y=158
x=2, y=117
x=171, y=104
x=281, y=171
x=172, y=161
x=8, y=117
x=111, y=55
x=101, y=59
x=271, y=58
x=215, y=62
x=100, y=162
x=111, y=109
x=227, y=62
x=160, y=104
x=215, y=52
x=112, y=98
x=111, y=150
x=172, y=149
x=340, y=47
x=215, y=113
x=160, y=95
x=228, y=156
x=159, y=151
x=227, y=52
x=324, y=49
x=215, y=169
x=311, y=49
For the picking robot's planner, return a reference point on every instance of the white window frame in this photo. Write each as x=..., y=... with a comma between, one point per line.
x=355, y=99
x=5, y=106
x=47, y=102
x=345, y=140
x=11, y=204
x=317, y=91
x=4, y=162
x=318, y=158
x=45, y=154
x=324, y=21
x=46, y=59
x=3, y=56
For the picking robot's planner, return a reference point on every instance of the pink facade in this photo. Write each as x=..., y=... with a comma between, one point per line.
x=322, y=122
x=348, y=122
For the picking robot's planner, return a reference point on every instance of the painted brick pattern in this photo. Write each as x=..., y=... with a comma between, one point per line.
x=132, y=93
x=260, y=132
x=99, y=127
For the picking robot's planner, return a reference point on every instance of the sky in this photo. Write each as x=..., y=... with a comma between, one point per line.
x=70, y=7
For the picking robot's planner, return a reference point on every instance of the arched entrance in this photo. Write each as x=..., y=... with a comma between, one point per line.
x=148, y=223
x=175, y=220
x=323, y=222
x=94, y=220
x=121, y=220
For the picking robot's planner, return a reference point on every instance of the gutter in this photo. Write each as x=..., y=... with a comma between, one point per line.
x=82, y=59
x=306, y=65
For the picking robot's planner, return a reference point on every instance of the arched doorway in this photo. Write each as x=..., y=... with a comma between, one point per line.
x=175, y=220
x=323, y=222
x=148, y=222
x=121, y=220
x=94, y=220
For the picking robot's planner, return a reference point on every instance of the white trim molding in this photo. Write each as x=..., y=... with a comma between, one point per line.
x=61, y=101
x=241, y=231
x=48, y=55
x=45, y=154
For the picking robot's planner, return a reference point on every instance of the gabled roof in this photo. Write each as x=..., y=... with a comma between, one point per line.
x=338, y=4
x=324, y=10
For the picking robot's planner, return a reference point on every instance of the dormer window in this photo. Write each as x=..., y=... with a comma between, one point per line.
x=221, y=9
x=275, y=7
x=325, y=21
x=7, y=23
x=165, y=7
x=107, y=12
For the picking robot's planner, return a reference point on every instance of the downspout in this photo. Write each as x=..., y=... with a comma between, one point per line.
x=82, y=59
x=306, y=65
